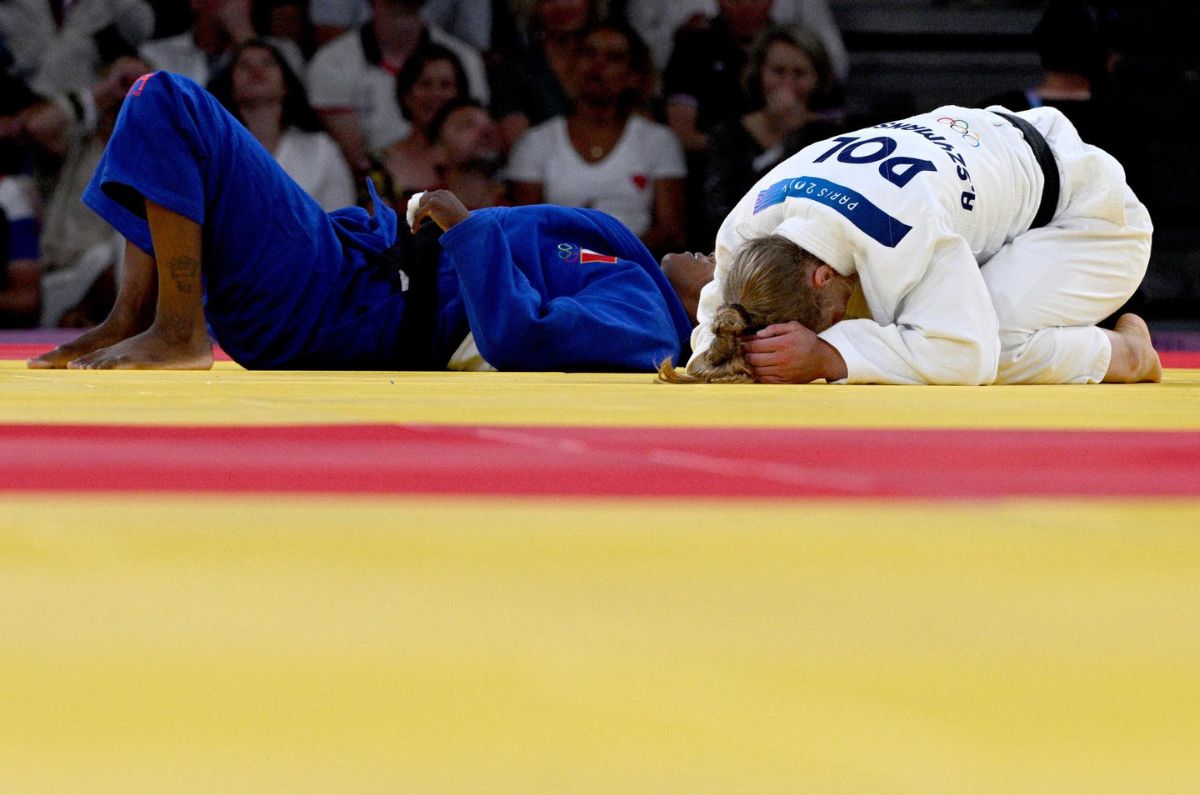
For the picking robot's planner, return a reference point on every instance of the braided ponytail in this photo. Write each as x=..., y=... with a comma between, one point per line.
x=766, y=284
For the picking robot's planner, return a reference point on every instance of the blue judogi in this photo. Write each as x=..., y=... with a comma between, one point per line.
x=559, y=288
x=290, y=286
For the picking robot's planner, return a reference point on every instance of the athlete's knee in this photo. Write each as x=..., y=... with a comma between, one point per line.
x=161, y=109
x=158, y=92
x=149, y=100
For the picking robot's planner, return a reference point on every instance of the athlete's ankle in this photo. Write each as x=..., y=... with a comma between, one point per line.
x=177, y=329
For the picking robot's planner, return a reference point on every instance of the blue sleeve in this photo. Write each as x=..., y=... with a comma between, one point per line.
x=616, y=322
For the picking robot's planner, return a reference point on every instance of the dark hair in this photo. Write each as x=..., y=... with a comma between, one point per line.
x=421, y=57
x=827, y=93
x=1068, y=39
x=296, y=110
x=639, y=59
x=444, y=113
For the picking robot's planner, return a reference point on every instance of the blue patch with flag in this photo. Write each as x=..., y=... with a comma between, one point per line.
x=852, y=205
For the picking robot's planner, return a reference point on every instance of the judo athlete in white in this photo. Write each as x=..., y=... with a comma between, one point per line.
x=961, y=246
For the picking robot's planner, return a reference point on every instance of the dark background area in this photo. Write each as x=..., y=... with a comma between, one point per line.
x=911, y=55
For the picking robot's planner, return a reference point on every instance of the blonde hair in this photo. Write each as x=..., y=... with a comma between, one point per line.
x=767, y=283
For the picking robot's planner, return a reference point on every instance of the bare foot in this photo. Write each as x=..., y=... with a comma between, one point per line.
x=110, y=332
x=1143, y=363
x=150, y=350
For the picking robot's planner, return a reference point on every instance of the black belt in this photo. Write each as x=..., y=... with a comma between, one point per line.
x=1045, y=159
x=418, y=256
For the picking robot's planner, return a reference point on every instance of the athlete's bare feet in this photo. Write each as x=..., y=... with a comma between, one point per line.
x=114, y=329
x=1134, y=358
x=151, y=350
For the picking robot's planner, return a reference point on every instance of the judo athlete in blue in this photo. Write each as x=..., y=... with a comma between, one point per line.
x=220, y=239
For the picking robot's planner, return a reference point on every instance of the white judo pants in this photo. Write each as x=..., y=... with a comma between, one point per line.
x=1051, y=285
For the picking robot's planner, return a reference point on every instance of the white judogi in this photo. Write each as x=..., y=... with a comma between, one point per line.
x=933, y=214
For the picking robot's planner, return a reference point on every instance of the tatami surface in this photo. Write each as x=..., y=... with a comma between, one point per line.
x=393, y=582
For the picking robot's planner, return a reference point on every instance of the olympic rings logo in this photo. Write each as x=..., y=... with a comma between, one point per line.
x=962, y=128
x=567, y=252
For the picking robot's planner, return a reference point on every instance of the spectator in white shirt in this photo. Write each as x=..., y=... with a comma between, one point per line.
x=603, y=155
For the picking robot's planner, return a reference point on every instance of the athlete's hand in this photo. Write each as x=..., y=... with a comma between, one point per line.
x=442, y=207
x=789, y=353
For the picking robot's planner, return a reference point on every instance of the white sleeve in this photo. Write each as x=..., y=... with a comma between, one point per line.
x=710, y=300
x=945, y=329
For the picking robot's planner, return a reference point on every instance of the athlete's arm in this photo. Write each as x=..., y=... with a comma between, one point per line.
x=616, y=322
x=935, y=325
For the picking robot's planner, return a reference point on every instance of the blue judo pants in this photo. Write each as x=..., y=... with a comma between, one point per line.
x=286, y=285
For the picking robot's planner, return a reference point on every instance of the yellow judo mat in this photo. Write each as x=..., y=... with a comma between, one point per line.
x=231, y=642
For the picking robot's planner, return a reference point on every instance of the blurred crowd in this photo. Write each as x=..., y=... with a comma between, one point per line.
x=660, y=113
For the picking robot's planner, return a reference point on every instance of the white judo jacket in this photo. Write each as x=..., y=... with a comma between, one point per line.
x=914, y=207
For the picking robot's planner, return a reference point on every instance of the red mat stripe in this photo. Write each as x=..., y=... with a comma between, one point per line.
x=1183, y=360
x=20, y=351
x=638, y=462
